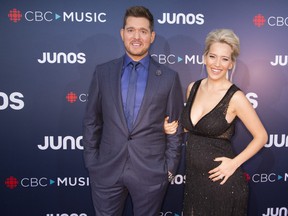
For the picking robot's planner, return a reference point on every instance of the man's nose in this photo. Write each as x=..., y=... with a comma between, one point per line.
x=136, y=34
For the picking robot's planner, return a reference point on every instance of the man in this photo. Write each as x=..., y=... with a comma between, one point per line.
x=125, y=149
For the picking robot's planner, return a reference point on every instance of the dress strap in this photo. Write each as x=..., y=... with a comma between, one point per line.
x=223, y=105
x=193, y=91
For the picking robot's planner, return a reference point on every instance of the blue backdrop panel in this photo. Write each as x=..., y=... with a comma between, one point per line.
x=48, y=52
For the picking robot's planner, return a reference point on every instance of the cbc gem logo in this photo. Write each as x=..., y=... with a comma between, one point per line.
x=259, y=20
x=11, y=182
x=71, y=97
x=15, y=15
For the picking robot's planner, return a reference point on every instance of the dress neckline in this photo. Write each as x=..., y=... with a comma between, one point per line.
x=208, y=113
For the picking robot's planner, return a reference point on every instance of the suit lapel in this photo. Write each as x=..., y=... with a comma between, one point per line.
x=115, y=78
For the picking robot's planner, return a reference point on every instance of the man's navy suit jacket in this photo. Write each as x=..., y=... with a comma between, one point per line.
x=106, y=139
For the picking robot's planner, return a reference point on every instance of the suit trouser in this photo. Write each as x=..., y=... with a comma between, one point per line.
x=110, y=200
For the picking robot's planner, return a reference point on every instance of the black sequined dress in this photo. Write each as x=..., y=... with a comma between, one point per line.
x=209, y=138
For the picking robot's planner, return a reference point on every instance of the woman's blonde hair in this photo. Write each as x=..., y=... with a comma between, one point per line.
x=223, y=36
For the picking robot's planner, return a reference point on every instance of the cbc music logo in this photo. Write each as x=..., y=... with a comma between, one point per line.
x=269, y=178
x=181, y=18
x=281, y=60
x=61, y=57
x=33, y=182
x=72, y=97
x=61, y=143
x=278, y=211
x=13, y=101
x=277, y=140
x=16, y=15
x=274, y=21
x=173, y=59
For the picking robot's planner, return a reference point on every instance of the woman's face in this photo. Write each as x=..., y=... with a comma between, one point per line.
x=218, y=60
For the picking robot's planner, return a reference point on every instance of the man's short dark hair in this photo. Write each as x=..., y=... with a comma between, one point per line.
x=139, y=11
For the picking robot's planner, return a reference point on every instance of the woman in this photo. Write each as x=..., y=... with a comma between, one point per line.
x=215, y=183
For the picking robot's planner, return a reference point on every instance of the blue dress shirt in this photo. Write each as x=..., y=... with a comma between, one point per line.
x=142, y=70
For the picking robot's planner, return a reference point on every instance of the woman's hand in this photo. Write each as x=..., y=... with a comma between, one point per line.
x=170, y=128
x=223, y=171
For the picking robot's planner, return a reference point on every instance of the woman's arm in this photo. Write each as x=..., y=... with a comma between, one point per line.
x=241, y=107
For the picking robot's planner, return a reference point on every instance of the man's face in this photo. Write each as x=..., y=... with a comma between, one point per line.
x=137, y=37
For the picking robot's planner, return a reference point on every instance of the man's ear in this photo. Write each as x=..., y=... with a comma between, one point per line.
x=122, y=33
x=153, y=35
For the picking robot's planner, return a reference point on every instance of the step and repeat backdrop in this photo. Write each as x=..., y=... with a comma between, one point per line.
x=48, y=52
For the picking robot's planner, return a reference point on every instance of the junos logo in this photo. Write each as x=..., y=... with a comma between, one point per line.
x=280, y=60
x=251, y=96
x=62, y=57
x=63, y=143
x=181, y=18
x=275, y=142
x=14, y=101
x=178, y=180
x=278, y=211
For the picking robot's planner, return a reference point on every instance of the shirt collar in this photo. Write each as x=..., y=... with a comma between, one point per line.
x=144, y=61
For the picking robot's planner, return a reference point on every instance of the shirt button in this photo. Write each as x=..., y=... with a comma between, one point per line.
x=130, y=138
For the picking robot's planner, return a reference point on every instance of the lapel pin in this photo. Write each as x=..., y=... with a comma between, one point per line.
x=158, y=72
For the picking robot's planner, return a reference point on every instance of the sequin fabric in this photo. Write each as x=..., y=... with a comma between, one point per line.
x=209, y=138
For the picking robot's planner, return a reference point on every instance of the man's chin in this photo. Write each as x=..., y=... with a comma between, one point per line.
x=137, y=54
